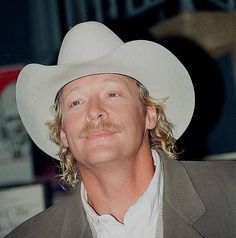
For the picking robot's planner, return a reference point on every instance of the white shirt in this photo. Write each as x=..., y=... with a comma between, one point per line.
x=143, y=219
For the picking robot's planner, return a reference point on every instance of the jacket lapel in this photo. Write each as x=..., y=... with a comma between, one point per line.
x=182, y=206
x=75, y=223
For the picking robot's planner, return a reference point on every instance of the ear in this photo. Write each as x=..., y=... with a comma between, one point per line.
x=151, y=117
x=63, y=137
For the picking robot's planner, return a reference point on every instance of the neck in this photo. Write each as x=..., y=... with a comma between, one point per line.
x=112, y=189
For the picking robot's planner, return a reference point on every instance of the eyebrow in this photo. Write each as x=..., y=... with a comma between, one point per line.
x=106, y=81
x=118, y=79
x=70, y=91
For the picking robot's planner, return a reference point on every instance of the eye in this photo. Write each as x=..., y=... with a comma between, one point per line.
x=76, y=103
x=113, y=94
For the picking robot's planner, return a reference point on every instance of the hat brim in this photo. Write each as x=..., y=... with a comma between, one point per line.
x=148, y=62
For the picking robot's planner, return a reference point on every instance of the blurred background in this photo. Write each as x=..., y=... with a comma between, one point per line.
x=201, y=33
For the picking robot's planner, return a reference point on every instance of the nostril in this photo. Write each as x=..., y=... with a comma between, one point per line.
x=91, y=116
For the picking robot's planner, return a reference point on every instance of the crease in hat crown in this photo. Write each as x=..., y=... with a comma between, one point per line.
x=91, y=48
x=100, y=39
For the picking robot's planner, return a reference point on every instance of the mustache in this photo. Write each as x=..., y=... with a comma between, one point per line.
x=90, y=129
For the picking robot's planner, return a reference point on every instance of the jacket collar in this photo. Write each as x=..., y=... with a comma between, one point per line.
x=75, y=223
x=182, y=206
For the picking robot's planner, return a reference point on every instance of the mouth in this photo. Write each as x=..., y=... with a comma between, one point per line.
x=99, y=134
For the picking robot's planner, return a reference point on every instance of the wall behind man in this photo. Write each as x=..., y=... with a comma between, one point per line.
x=32, y=31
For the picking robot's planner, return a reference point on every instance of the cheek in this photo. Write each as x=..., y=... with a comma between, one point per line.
x=132, y=108
x=133, y=118
x=70, y=125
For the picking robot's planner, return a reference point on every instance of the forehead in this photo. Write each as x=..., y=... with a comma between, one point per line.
x=100, y=80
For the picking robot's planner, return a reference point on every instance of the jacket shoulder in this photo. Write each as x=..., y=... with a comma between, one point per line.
x=207, y=169
x=213, y=177
x=45, y=223
x=215, y=182
x=203, y=193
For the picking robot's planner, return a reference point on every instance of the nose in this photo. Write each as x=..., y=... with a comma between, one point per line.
x=96, y=110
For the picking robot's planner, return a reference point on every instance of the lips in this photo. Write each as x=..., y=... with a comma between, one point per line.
x=99, y=134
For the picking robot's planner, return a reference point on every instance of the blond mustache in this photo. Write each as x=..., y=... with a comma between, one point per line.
x=103, y=126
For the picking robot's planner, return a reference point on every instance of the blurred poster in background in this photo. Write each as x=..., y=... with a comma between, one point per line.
x=16, y=207
x=15, y=145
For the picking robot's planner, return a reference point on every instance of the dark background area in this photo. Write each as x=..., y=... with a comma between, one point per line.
x=32, y=31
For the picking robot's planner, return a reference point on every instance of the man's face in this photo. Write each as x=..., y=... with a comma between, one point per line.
x=103, y=119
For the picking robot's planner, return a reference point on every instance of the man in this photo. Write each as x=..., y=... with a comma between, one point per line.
x=119, y=141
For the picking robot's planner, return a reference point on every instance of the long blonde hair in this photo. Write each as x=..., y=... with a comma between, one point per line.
x=160, y=137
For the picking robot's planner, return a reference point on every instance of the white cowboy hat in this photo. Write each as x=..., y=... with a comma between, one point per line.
x=92, y=48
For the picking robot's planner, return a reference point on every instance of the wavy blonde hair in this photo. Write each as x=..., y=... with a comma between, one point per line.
x=160, y=137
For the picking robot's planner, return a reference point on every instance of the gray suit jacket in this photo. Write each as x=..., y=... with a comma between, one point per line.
x=199, y=201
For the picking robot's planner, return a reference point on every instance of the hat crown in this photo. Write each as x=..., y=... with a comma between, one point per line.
x=87, y=41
